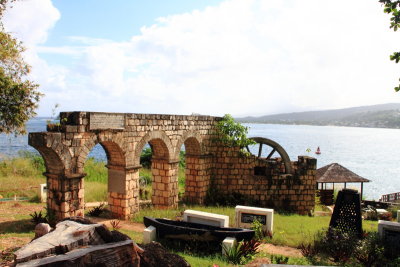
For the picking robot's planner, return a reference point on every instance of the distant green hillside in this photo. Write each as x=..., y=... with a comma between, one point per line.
x=377, y=116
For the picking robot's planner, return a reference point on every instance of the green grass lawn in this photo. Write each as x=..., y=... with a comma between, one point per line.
x=21, y=176
x=288, y=230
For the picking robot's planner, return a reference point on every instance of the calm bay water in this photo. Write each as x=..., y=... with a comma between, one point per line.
x=371, y=153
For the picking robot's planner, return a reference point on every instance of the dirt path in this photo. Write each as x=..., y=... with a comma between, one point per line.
x=132, y=226
x=281, y=250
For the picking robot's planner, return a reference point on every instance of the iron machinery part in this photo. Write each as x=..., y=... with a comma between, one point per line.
x=275, y=147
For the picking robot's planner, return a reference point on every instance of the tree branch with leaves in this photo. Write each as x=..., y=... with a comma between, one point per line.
x=19, y=96
x=392, y=7
x=232, y=134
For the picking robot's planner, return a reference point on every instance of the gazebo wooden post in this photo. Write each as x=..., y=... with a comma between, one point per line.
x=333, y=187
x=362, y=185
x=345, y=185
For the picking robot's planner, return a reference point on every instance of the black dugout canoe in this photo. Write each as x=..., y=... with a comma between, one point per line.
x=195, y=231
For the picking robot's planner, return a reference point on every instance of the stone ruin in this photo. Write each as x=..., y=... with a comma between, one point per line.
x=123, y=137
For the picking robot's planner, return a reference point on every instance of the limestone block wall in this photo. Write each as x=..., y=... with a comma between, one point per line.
x=65, y=196
x=197, y=174
x=234, y=173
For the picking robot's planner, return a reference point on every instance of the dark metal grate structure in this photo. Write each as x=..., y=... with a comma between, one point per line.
x=346, y=215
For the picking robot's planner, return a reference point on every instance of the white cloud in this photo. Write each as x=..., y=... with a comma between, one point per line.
x=31, y=20
x=240, y=57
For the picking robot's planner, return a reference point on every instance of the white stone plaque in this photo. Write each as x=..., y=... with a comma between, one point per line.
x=389, y=230
x=206, y=218
x=104, y=121
x=245, y=216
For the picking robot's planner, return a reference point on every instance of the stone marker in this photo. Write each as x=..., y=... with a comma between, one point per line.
x=227, y=244
x=390, y=233
x=42, y=229
x=43, y=192
x=149, y=235
x=206, y=218
x=244, y=217
x=386, y=228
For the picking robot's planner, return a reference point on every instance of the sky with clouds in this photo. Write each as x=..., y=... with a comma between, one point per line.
x=243, y=57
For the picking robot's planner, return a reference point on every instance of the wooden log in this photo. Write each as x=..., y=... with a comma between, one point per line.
x=67, y=236
x=111, y=254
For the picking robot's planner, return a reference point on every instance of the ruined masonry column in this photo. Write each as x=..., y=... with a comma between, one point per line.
x=65, y=197
x=123, y=191
x=197, y=174
x=165, y=184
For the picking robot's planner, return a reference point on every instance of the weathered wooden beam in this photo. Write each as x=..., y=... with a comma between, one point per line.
x=67, y=236
x=111, y=254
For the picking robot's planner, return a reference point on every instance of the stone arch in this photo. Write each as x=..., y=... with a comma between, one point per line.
x=52, y=161
x=160, y=143
x=112, y=144
x=121, y=182
x=193, y=144
x=163, y=169
x=196, y=174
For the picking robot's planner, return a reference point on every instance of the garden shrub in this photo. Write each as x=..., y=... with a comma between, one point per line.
x=232, y=134
x=97, y=211
x=393, y=210
x=335, y=245
x=369, y=251
x=242, y=252
x=387, y=216
x=38, y=217
x=279, y=259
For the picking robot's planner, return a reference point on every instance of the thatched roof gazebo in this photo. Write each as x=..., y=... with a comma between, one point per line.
x=336, y=173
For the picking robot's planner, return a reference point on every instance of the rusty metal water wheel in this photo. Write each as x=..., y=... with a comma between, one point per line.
x=265, y=144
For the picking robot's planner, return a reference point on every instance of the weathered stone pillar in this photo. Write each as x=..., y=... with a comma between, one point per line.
x=197, y=178
x=165, y=184
x=123, y=190
x=65, y=195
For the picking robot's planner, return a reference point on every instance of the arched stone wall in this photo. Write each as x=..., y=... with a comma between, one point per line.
x=123, y=136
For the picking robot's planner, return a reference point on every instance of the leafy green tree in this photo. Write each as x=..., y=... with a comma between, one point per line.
x=18, y=96
x=392, y=7
x=232, y=133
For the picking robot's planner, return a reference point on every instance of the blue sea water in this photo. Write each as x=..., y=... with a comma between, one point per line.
x=370, y=152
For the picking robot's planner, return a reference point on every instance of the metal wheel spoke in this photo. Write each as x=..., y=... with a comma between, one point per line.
x=270, y=154
x=260, y=150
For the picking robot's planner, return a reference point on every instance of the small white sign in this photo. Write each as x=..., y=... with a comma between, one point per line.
x=244, y=217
